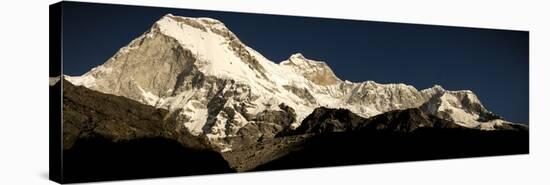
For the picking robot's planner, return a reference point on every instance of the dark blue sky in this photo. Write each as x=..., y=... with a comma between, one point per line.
x=492, y=63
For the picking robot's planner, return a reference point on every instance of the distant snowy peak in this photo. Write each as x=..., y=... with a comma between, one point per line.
x=317, y=72
x=463, y=107
x=435, y=90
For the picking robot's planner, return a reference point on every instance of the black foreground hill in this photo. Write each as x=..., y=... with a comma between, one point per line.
x=342, y=138
x=109, y=137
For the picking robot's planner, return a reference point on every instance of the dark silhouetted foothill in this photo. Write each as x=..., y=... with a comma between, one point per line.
x=109, y=137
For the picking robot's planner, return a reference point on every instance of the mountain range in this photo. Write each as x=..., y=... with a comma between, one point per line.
x=216, y=85
x=191, y=80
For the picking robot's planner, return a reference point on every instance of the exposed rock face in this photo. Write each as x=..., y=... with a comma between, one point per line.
x=315, y=71
x=325, y=120
x=407, y=120
x=217, y=88
x=88, y=113
x=264, y=126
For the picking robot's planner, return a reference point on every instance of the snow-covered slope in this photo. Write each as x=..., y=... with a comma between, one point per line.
x=220, y=88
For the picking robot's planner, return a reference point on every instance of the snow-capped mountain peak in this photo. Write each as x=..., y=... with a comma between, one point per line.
x=300, y=58
x=316, y=71
x=219, y=51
